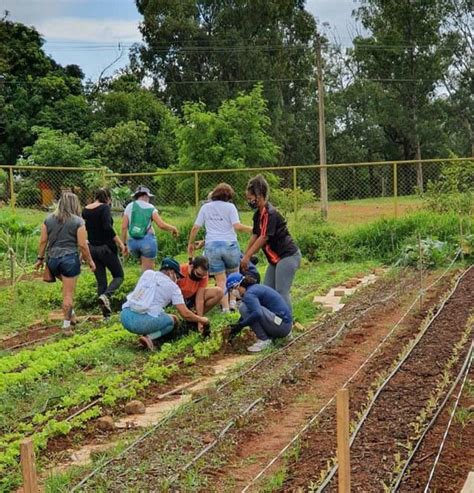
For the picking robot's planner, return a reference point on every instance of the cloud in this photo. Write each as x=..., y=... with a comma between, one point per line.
x=88, y=30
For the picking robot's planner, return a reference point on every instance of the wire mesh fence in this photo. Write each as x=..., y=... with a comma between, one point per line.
x=294, y=189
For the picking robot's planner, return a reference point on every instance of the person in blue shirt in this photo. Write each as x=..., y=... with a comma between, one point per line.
x=262, y=309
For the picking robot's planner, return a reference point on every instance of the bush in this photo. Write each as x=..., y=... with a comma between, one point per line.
x=453, y=191
x=382, y=240
x=28, y=195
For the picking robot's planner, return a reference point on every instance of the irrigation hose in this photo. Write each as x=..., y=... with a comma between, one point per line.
x=330, y=401
x=361, y=422
x=464, y=371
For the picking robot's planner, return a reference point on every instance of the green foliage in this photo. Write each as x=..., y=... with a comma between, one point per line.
x=427, y=253
x=286, y=198
x=233, y=137
x=123, y=146
x=382, y=240
x=453, y=191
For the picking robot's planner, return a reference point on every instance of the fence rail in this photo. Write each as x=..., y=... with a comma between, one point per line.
x=294, y=188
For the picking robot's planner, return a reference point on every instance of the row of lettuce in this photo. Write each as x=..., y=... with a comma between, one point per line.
x=90, y=399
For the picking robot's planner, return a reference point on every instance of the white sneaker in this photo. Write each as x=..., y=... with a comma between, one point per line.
x=259, y=346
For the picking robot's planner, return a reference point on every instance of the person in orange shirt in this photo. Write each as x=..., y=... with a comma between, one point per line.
x=194, y=287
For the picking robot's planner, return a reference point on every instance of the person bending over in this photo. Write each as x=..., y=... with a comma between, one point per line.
x=143, y=312
x=262, y=309
x=194, y=287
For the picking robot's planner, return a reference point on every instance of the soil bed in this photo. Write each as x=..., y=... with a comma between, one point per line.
x=457, y=457
x=382, y=442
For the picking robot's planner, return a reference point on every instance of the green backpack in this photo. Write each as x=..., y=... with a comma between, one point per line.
x=140, y=221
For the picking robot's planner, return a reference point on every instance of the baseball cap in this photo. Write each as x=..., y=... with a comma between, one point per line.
x=171, y=263
x=233, y=281
x=142, y=190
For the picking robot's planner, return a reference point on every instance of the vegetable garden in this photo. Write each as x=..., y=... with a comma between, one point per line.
x=402, y=346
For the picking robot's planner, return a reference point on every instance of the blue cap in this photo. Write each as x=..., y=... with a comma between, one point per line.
x=171, y=263
x=233, y=281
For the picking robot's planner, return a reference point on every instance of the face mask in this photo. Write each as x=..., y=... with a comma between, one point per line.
x=193, y=276
x=252, y=204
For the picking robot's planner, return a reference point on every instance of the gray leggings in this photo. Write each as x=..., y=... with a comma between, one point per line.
x=280, y=276
x=265, y=327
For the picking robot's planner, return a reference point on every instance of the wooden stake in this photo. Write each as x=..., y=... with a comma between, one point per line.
x=343, y=455
x=28, y=466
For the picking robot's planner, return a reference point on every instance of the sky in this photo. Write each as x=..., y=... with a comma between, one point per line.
x=87, y=32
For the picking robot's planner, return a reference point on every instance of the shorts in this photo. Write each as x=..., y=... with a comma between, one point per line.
x=190, y=302
x=223, y=256
x=65, y=266
x=143, y=247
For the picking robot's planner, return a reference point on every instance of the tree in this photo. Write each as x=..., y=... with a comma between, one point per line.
x=123, y=147
x=128, y=103
x=208, y=51
x=32, y=82
x=408, y=52
x=235, y=136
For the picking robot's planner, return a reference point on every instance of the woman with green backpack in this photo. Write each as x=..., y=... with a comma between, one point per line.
x=137, y=227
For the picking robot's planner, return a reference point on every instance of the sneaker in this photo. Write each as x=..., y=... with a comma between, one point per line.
x=105, y=304
x=147, y=343
x=259, y=346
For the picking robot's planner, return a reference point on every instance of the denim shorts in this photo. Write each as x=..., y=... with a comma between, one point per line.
x=65, y=266
x=143, y=247
x=144, y=324
x=223, y=256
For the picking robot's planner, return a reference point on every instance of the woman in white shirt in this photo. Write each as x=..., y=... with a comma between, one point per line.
x=220, y=218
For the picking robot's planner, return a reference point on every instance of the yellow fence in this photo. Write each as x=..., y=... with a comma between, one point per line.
x=380, y=186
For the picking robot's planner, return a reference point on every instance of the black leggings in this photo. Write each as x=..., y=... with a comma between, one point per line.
x=104, y=258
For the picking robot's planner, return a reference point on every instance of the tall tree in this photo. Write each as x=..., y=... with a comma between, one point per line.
x=209, y=50
x=408, y=51
x=32, y=82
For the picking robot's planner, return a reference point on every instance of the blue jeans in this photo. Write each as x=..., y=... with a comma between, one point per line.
x=146, y=325
x=143, y=247
x=223, y=256
x=265, y=327
x=66, y=266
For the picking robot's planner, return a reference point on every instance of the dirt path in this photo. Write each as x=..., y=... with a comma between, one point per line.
x=383, y=440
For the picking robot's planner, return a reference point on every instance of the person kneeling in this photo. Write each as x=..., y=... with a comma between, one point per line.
x=262, y=309
x=193, y=284
x=143, y=312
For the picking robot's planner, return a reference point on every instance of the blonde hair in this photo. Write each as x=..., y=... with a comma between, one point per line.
x=68, y=206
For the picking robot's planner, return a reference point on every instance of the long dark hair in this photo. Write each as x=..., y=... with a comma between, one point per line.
x=102, y=195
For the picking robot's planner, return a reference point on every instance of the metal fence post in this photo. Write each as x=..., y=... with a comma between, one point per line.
x=295, y=192
x=196, y=189
x=12, y=190
x=395, y=190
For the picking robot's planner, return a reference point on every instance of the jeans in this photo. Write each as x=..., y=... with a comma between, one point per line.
x=105, y=258
x=65, y=266
x=223, y=256
x=280, y=276
x=144, y=324
x=143, y=247
x=266, y=328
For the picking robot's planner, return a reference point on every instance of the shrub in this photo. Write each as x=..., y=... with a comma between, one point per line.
x=453, y=191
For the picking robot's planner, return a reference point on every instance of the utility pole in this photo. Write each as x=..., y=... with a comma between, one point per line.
x=323, y=172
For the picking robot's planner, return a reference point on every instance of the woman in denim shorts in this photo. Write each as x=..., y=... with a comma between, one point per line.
x=62, y=234
x=220, y=218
